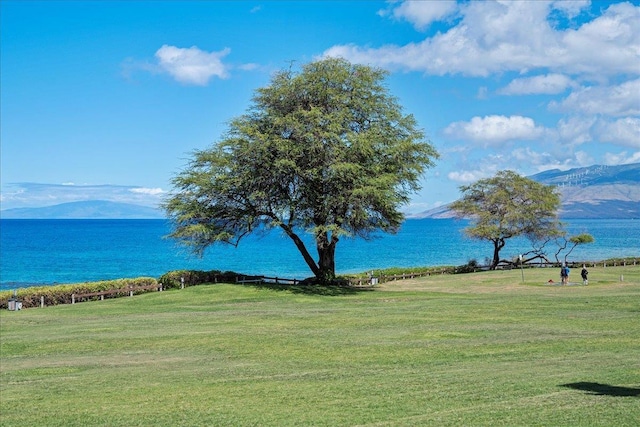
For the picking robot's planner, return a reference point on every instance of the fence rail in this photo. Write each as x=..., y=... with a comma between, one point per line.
x=372, y=280
x=573, y=264
x=266, y=279
x=131, y=290
x=369, y=280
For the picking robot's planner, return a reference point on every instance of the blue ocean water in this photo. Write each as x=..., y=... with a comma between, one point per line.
x=38, y=252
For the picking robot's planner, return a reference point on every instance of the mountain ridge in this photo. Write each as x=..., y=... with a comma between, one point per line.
x=88, y=209
x=594, y=192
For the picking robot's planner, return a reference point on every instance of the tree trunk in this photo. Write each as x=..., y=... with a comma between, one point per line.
x=302, y=249
x=326, y=257
x=497, y=245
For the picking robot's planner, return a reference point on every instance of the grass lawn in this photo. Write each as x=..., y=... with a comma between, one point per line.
x=455, y=350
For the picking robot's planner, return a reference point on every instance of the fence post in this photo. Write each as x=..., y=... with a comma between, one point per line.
x=73, y=298
x=42, y=301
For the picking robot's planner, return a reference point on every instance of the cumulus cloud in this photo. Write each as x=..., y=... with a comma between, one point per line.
x=575, y=130
x=423, y=13
x=617, y=100
x=584, y=159
x=530, y=157
x=493, y=130
x=549, y=84
x=624, y=131
x=622, y=158
x=495, y=37
x=192, y=65
x=524, y=160
x=466, y=177
x=571, y=8
x=589, y=62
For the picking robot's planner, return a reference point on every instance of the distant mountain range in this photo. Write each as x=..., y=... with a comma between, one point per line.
x=591, y=192
x=91, y=209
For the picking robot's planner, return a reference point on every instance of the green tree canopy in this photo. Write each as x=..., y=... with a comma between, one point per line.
x=326, y=150
x=508, y=205
x=575, y=241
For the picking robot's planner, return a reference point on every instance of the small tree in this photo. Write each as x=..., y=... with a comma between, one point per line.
x=506, y=206
x=326, y=151
x=579, y=239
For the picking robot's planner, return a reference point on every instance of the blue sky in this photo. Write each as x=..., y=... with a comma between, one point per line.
x=106, y=100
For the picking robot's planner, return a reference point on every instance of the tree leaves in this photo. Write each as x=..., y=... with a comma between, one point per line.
x=326, y=150
x=509, y=205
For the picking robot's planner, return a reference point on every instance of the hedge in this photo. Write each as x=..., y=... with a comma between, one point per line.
x=173, y=279
x=61, y=294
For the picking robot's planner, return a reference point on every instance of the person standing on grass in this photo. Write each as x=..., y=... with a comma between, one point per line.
x=584, y=273
x=564, y=274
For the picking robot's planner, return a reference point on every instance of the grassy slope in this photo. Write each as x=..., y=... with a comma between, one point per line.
x=477, y=349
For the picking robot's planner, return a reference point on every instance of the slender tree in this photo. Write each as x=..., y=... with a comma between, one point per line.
x=579, y=239
x=508, y=205
x=326, y=150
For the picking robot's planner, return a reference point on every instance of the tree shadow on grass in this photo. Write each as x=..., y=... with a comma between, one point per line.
x=324, y=290
x=604, y=389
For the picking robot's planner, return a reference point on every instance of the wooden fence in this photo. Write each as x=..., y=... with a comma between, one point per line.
x=364, y=281
x=129, y=290
x=265, y=279
x=352, y=281
x=371, y=280
x=572, y=264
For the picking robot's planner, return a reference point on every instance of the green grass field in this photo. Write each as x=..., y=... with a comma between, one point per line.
x=479, y=349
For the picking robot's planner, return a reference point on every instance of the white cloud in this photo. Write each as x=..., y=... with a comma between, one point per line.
x=192, y=65
x=620, y=100
x=422, y=13
x=622, y=158
x=493, y=130
x=523, y=160
x=527, y=157
x=624, y=131
x=571, y=8
x=149, y=191
x=466, y=177
x=584, y=159
x=607, y=45
x=545, y=84
x=496, y=37
x=575, y=130
x=27, y=194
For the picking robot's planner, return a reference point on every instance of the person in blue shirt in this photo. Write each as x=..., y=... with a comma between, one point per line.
x=564, y=274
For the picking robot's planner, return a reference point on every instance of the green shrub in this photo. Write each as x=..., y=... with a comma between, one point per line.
x=62, y=294
x=173, y=279
x=470, y=267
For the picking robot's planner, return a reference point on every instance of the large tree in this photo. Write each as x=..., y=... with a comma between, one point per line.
x=324, y=150
x=508, y=205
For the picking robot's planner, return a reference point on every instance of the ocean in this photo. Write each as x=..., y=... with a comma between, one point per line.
x=46, y=252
